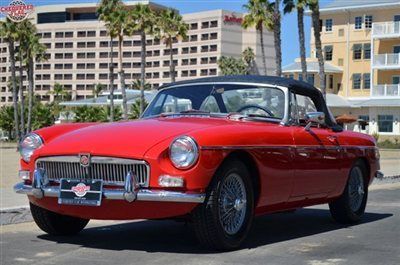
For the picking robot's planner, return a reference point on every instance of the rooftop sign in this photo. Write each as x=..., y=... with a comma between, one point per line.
x=232, y=19
x=17, y=10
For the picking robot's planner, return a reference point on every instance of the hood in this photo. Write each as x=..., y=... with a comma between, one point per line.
x=124, y=139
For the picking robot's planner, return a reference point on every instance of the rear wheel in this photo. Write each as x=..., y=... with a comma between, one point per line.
x=223, y=221
x=350, y=206
x=57, y=224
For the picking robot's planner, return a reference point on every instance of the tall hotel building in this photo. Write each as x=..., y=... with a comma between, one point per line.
x=361, y=46
x=78, y=50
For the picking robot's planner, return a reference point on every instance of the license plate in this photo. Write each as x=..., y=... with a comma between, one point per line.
x=80, y=192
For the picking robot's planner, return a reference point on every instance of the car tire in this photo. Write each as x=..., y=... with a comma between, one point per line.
x=57, y=224
x=223, y=221
x=350, y=206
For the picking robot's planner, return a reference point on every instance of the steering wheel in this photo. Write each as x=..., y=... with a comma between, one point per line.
x=256, y=107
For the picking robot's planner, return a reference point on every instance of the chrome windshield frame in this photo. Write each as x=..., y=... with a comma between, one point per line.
x=285, y=90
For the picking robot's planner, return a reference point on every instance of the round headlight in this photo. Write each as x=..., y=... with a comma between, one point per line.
x=28, y=145
x=183, y=152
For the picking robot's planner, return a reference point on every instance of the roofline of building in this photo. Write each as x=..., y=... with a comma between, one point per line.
x=330, y=10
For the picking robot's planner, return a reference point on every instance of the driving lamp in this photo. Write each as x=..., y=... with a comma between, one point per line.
x=183, y=152
x=28, y=145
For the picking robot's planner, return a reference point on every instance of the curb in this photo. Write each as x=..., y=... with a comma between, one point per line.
x=15, y=215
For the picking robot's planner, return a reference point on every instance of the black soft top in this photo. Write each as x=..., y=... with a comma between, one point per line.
x=298, y=87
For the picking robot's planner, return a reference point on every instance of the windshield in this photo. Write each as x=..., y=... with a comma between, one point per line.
x=249, y=100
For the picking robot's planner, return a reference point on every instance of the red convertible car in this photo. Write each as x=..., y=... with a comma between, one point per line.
x=216, y=151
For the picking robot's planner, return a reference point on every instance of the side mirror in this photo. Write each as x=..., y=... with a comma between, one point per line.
x=314, y=118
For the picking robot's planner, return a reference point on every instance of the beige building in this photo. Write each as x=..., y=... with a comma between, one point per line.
x=78, y=50
x=361, y=45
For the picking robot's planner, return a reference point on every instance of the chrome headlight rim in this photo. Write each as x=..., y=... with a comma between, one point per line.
x=195, y=150
x=27, y=151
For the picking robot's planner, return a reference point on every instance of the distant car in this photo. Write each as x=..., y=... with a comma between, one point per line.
x=4, y=138
x=224, y=159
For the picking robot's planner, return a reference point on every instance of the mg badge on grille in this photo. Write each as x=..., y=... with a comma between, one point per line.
x=84, y=160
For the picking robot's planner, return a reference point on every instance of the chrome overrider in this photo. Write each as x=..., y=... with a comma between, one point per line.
x=131, y=192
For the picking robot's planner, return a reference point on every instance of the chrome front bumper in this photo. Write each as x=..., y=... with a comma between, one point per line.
x=131, y=192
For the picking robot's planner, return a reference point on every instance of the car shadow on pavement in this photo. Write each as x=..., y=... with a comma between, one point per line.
x=178, y=237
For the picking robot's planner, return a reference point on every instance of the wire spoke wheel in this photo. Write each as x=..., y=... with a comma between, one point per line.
x=356, y=189
x=232, y=204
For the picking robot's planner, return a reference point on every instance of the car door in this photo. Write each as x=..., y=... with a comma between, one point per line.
x=317, y=156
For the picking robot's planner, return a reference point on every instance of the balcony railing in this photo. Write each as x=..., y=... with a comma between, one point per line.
x=388, y=60
x=387, y=90
x=386, y=29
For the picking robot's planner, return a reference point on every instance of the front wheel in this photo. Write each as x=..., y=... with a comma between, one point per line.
x=223, y=221
x=350, y=206
x=57, y=224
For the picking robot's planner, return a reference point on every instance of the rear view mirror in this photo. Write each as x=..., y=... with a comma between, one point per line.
x=314, y=118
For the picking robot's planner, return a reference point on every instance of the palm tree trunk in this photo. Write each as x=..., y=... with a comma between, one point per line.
x=318, y=47
x=171, y=62
x=11, y=50
x=111, y=77
x=300, y=23
x=142, y=70
x=264, y=59
x=21, y=91
x=30, y=95
x=277, y=39
x=122, y=80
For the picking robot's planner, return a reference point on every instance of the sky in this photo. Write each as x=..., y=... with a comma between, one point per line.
x=290, y=43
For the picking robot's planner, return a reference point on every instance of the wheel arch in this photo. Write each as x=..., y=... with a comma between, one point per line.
x=251, y=165
x=367, y=166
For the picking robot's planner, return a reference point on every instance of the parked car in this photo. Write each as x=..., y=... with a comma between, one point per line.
x=219, y=163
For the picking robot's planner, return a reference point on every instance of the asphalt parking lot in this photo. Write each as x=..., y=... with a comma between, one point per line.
x=308, y=236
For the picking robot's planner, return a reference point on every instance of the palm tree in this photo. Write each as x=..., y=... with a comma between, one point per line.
x=248, y=56
x=24, y=30
x=97, y=89
x=299, y=5
x=171, y=27
x=9, y=33
x=314, y=6
x=104, y=10
x=137, y=84
x=59, y=92
x=277, y=37
x=34, y=51
x=259, y=18
x=120, y=21
x=143, y=18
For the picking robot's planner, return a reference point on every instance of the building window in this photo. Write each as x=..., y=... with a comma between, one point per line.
x=328, y=52
x=385, y=123
x=330, y=85
x=358, y=23
x=367, y=80
x=368, y=21
x=357, y=51
x=356, y=81
x=367, y=51
x=328, y=24
x=310, y=79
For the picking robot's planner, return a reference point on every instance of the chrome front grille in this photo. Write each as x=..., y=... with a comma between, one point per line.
x=109, y=169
